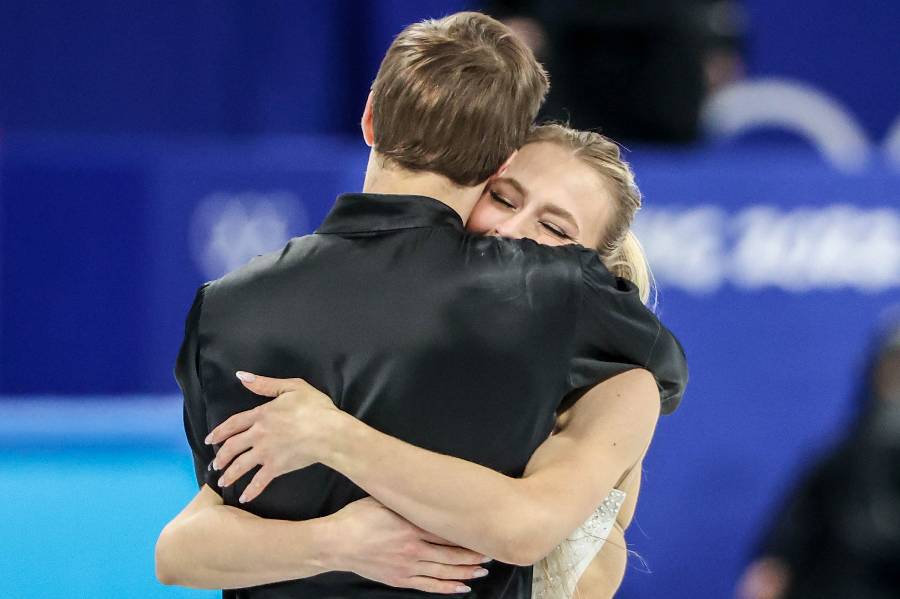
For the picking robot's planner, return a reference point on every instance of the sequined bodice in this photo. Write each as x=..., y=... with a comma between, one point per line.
x=573, y=555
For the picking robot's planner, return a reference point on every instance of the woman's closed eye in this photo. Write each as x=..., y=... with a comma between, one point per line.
x=501, y=200
x=555, y=230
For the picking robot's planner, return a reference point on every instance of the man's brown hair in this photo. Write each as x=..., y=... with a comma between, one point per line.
x=456, y=96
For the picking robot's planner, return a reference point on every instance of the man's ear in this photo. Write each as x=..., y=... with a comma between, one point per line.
x=368, y=130
x=505, y=165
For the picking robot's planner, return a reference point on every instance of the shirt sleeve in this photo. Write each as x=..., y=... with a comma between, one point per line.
x=187, y=374
x=616, y=332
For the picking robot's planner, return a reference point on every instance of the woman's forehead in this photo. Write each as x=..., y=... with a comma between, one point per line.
x=538, y=153
x=548, y=171
x=548, y=164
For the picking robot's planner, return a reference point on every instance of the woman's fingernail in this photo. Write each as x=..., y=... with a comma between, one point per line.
x=245, y=376
x=221, y=480
x=486, y=559
x=462, y=589
x=208, y=439
x=242, y=499
x=480, y=572
x=209, y=468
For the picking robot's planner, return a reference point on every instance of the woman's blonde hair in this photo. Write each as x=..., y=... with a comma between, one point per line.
x=622, y=254
x=620, y=249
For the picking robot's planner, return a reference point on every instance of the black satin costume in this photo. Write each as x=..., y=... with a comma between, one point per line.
x=460, y=344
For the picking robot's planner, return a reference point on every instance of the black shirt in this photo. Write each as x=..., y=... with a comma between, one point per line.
x=460, y=344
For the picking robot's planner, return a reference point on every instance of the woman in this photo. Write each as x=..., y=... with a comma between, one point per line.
x=563, y=187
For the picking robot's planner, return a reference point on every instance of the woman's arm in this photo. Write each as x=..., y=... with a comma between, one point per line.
x=210, y=545
x=604, y=574
x=513, y=520
x=214, y=546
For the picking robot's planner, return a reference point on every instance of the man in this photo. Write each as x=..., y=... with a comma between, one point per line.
x=453, y=343
x=838, y=531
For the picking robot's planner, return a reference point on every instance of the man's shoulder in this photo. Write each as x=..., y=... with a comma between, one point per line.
x=576, y=258
x=505, y=249
x=561, y=265
x=597, y=275
x=266, y=269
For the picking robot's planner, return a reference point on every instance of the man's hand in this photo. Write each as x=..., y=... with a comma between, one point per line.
x=283, y=435
x=380, y=545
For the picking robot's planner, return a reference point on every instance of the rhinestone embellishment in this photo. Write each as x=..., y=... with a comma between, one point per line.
x=573, y=555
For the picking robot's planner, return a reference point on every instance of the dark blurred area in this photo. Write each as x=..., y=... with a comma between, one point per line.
x=838, y=534
x=638, y=70
x=634, y=69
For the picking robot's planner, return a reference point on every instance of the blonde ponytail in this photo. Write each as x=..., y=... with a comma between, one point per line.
x=629, y=261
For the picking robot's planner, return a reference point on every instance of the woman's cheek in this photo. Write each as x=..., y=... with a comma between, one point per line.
x=545, y=239
x=484, y=218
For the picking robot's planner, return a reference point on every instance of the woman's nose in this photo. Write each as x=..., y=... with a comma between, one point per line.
x=512, y=227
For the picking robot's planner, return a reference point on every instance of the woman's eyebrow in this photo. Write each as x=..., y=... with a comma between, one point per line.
x=562, y=212
x=518, y=186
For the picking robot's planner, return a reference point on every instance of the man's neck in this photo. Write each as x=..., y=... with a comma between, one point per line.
x=393, y=180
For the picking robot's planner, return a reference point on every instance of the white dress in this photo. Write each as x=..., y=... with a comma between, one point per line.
x=578, y=550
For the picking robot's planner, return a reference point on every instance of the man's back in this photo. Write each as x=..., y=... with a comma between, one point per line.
x=454, y=343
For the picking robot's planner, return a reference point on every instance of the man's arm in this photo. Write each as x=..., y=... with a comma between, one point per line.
x=513, y=520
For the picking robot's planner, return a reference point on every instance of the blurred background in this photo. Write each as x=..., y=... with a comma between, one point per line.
x=148, y=147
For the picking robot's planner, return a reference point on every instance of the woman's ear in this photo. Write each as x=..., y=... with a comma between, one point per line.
x=368, y=130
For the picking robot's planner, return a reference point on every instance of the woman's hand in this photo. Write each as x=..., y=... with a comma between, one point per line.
x=380, y=545
x=283, y=435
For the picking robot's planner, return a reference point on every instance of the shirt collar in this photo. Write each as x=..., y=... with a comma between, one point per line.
x=365, y=212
